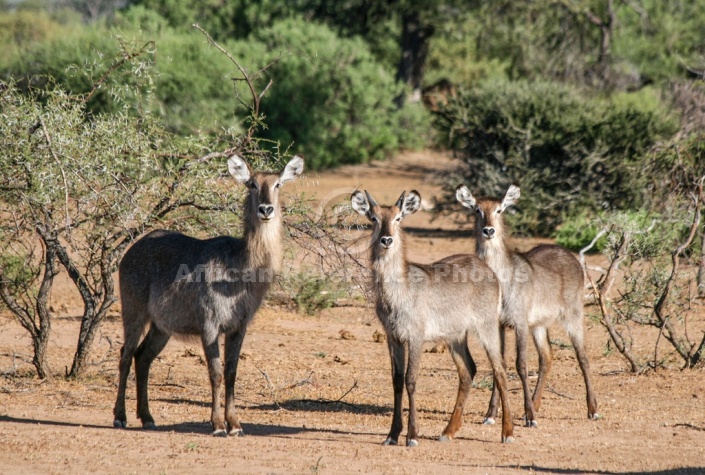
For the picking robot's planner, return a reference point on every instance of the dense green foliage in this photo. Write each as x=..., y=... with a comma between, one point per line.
x=568, y=98
x=329, y=98
x=567, y=152
x=313, y=293
x=650, y=40
x=578, y=232
x=332, y=100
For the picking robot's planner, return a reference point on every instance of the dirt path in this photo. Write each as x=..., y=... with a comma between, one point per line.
x=312, y=402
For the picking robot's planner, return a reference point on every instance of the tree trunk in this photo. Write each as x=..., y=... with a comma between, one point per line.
x=414, y=50
x=85, y=341
x=606, y=29
x=40, y=344
x=95, y=312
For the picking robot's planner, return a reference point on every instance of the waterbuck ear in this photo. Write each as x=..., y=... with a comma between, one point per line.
x=463, y=195
x=510, y=197
x=292, y=169
x=359, y=203
x=412, y=203
x=239, y=169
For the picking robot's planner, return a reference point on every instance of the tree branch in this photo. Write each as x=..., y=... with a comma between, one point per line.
x=61, y=168
x=683, y=347
x=614, y=334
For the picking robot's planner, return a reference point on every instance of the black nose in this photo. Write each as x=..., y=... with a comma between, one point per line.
x=386, y=241
x=488, y=232
x=266, y=211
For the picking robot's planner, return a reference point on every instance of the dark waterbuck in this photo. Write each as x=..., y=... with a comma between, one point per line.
x=179, y=285
x=540, y=288
x=443, y=302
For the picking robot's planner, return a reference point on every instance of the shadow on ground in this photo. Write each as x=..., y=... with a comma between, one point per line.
x=672, y=471
x=189, y=428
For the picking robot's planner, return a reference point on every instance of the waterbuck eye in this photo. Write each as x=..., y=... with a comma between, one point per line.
x=499, y=211
x=278, y=185
x=253, y=185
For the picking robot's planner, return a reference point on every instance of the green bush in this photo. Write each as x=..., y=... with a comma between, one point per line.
x=74, y=60
x=567, y=152
x=191, y=91
x=313, y=294
x=330, y=98
x=650, y=234
x=20, y=28
x=453, y=53
x=674, y=169
x=577, y=233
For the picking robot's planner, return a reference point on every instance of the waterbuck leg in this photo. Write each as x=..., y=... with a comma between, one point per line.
x=209, y=339
x=466, y=373
x=492, y=410
x=127, y=352
x=151, y=346
x=543, y=346
x=233, y=344
x=500, y=382
x=522, y=335
x=412, y=372
x=575, y=332
x=491, y=341
x=396, y=353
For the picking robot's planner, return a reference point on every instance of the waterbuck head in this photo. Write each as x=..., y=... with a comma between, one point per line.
x=489, y=223
x=386, y=219
x=262, y=203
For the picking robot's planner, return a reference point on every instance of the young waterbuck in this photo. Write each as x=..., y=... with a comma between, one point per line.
x=444, y=301
x=540, y=288
x=179, y=285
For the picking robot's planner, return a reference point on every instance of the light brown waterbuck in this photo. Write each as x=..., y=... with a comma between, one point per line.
x=540, y=288
x=179, y=285
x=444, y=302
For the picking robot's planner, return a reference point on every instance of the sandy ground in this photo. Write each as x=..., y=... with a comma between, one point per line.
x=312, y=402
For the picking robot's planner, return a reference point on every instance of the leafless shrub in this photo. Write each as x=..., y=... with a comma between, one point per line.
x=653, y=292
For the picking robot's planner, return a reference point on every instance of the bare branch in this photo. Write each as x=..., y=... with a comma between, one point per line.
x=22, y=314
x=559, y=394
x=61, y=168
x=264, y=91
x=683, y=347
x=607, y=279
x=582, y=252
x=616, y=337
x=249, y=80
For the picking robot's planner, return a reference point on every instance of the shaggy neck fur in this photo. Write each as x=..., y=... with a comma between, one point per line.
x=263, y=241
x=496, y=254
x=390, y=269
